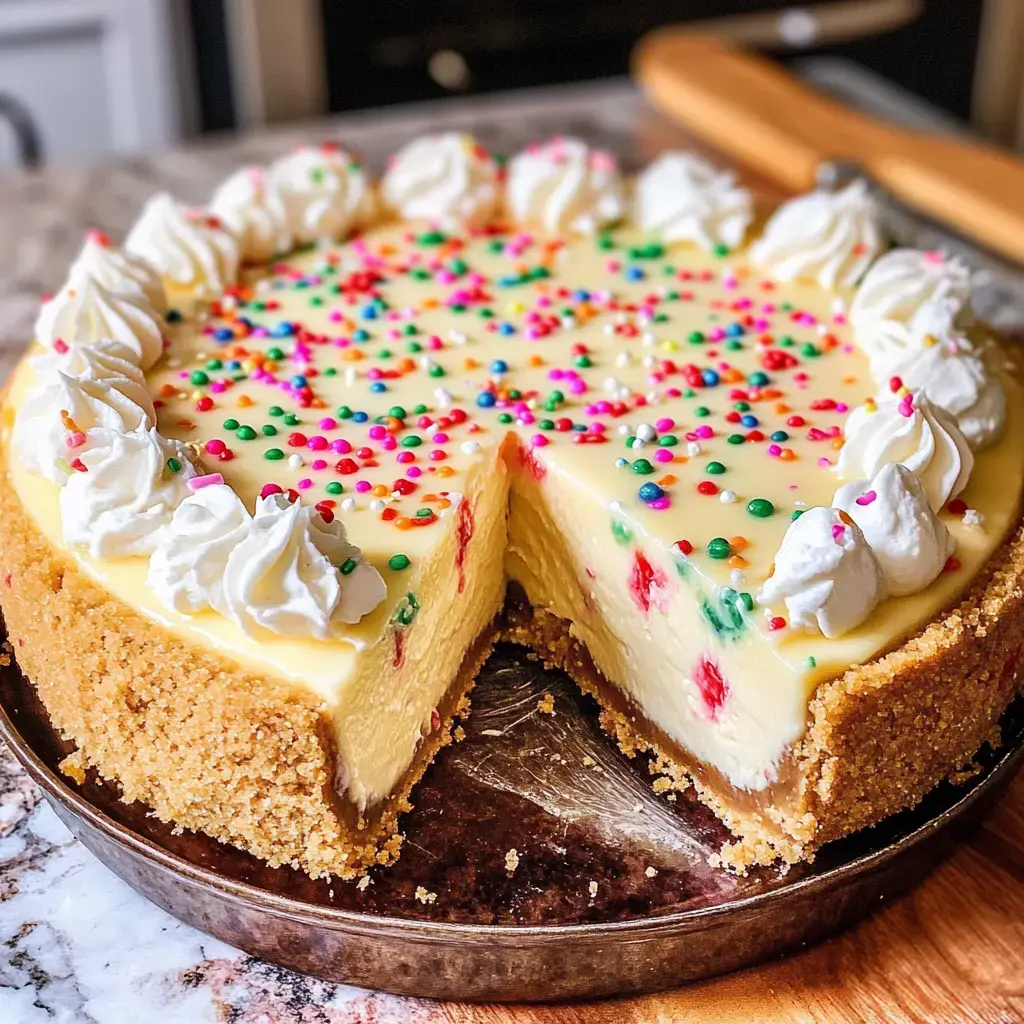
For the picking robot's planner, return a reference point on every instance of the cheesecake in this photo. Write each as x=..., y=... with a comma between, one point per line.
x=281, y=470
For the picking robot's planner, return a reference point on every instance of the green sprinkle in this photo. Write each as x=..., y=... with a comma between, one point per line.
x=199, y=377
x=398, y=411
x=760, y=508
x=811, y=661
x=809, y=350
x=269, y=430
x=695, y=337
x=621, y=532
x=668, y=441
x=505, y=417
x=702, y=410
x=334, y=488
x=431, y=238
x=719, y=548
x=275, y=353
x=582, y=362
x=436, y=371
x=796, y=514
x=231, y=423
x=344, y=412
x=174, y=465
x=747, y=600
x=715, y=468
x=215, y=364
x=291, y=420
x=274, y=410
x=642, y=467
x=245, y=433
x=735, y=439
x=274, y=455
x=720, y=251
x=412, y=441
x=349, y=566
x=398, y=562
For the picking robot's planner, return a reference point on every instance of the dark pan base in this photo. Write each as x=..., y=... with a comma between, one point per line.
x=578, y=814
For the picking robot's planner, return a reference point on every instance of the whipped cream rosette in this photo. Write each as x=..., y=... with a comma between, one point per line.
x=326, y=193
x=85, y=312
x=826, y=573
x=828, y=237
x=683, y=198
x=117, y=270
x=192, y=249
x=911, y=543
x=449, y=179
x=123, y=491
x=564, y=186
x=255, y=211
x=909, y=429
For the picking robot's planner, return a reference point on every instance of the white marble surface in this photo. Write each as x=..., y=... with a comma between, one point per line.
x=78, y=946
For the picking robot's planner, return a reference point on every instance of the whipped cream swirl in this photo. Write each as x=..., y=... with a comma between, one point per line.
x=826, y=573
x=95, y=360
x=902, y=281
x=326, y=193
x=563, y=185
x=957, y=380
x=123, y=492
x=254, y=209
x=85, y=311
x=448, y=179
x=830, y=237
x=295, y=574
x=683, y=198
x=191, y=248
x=910, y=542
x=187, y=568
x=117, y=270
x=284, y=570
x=913, y=431
x=50, y=424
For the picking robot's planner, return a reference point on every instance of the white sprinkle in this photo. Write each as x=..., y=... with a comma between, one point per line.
x=350, y=376
x=800, y=504
x=610, y=384
x=651, y=872
x=648, y=339
x=295, y=461
x=592, y=889
x=620, y=463
x=621, y=319
x=458, y=337
x=469, y=447
x=624, y=430
x=377, y=505
x=972, y=517
x=693, y=449
x=426, y=362
x=348, y=504
x=645, y=432
x=363, y=884
x=425, y=897
x=568, y=322
x=637, y=443
x=727, y=497
x=623, y=359
x=736, y=578
x=609, y=329
x=650, y=361
x=443, y=398
x=512, y=860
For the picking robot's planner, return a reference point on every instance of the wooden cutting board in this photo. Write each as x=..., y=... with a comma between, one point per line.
x=757, y=113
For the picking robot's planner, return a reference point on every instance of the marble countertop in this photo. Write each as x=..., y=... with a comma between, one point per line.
x=77, y=945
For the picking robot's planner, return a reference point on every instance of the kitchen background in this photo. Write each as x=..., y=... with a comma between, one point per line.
x=82, y=78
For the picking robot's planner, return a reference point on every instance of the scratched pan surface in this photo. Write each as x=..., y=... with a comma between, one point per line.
x=583, y=914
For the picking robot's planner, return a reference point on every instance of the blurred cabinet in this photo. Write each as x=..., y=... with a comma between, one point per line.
x=93, y=76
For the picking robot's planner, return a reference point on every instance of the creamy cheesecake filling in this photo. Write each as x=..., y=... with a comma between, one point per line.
x=608, y=341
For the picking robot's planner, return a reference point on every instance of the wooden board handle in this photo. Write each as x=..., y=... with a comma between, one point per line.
x=755, y=111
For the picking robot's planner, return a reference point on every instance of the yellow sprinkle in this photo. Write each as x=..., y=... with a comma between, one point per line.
x=930, y=340
x=516, y=307
x=870, y=405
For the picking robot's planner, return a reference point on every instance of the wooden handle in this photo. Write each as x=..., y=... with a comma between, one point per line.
x=756, y=112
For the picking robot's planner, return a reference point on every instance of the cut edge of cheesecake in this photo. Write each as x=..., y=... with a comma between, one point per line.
x=173, y=726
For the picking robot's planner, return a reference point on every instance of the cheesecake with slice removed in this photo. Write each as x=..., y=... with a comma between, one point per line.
x=253, y=571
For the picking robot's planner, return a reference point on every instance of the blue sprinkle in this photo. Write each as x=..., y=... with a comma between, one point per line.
x=620, y=463
x=710, y=377
x=749, y=421
x=298, y=381
x=486, y=399
x=734, y=330
x=223, y=334
x=235, y=364
x=360, y=335
x=780, y=435
x=581, y=295
x=378, y=386
x=282, y=330
x=499, y=366
x=506, y=329
x=580, y=428
x=360, y=417
x=509, y=280
x=634, y=274
x=758, y=379
x=369, y=312
x=650, y=492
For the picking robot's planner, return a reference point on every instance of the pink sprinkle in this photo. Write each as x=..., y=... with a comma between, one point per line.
x=867, y=498
x=328, y=423
x=75, y=439
x=341, y=446
x=215, y=447
x=317, y=443
x=362, y=486
x=665, y=423
x=539, y=441
x=389, y=444
x=774, y=450
x=197, y=483
x=663, y=502
x=377, y=432
x=439, y=438
x=663, y=455
x=413, y=472
x=218, y=387
x=304, y=484
x=838, y=529
x=405, y=456
x=268, y=489
x=704, y=431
